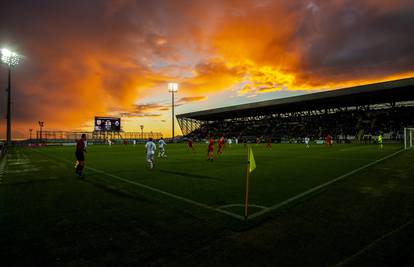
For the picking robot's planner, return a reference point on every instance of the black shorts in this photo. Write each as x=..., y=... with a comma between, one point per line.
x=80, y=156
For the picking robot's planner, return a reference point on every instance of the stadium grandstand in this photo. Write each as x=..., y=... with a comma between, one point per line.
x=355, y=114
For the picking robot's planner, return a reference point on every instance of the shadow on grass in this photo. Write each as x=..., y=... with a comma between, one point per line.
x=191, y=175
x=114, y=190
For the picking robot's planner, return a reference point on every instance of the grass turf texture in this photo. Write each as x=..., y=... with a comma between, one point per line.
x=49, y=216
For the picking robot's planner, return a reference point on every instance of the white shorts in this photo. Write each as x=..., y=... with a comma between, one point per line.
x=150, y=157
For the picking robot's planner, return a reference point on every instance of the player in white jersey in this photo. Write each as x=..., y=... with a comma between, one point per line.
x=229, y=142
x=109, y=142
x=161, y=148
x=150, y=149
x=307, y=142
x=134, y=142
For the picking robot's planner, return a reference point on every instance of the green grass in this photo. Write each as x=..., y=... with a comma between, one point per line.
x=282, y=172
x=124, y=213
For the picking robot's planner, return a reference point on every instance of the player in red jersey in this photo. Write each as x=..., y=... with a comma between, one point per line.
x=80, y=156
x=210, y=149
x=269, y=143
x=328, y=140
x=190, y=145
x=220, y=143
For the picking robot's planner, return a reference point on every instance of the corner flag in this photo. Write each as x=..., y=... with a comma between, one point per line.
x=252, y=163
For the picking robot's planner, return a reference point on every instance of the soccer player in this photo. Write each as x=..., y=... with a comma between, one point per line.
x=109, y=142
x=220, y=143
x=190, y=145
x=210, y=149
x=161, y=146
x=134, y=142
x=80, y=156
x=269, y=143
x=380, y=141
x=328, y=140
x=150, y=149
x=307, y=142
x=229, y=142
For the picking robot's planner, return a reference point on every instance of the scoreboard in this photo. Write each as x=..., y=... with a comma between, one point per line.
x=107, y=124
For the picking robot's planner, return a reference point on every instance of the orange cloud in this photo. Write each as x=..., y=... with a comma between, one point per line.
x=189, y=99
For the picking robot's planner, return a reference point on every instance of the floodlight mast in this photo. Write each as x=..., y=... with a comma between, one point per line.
x=172, y=88
x=11, y=59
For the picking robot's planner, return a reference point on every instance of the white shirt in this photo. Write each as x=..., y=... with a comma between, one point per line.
x=161, y=143
x=306, y=140
x=150, y=146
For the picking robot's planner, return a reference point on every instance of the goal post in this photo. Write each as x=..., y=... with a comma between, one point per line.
x=408, y=138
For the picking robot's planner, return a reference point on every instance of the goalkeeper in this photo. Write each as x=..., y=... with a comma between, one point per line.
x=379, y=140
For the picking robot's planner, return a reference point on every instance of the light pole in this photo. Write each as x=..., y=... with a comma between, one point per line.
x=172, y=88
x=142, y=131
x=41, y=124
x=11, y=59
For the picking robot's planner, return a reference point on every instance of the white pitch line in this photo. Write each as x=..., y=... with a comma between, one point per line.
x=316, y=188
x=373, y=243
x=155, y=190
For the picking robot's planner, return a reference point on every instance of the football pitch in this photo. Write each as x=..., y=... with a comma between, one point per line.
x=346, y=205
x=286, y=173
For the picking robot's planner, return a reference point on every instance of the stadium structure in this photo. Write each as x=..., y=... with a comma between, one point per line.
x=93, y=137
x=354, y=114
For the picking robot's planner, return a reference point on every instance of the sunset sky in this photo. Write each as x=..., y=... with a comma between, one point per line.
x=115, y=57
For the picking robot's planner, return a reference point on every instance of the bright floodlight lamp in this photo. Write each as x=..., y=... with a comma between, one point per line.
x=11, y=59
x=172, y=88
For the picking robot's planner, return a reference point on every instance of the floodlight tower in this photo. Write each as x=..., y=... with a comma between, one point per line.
x=41, y=125
x=11, y=59
x=142, y=131
x=172, y=88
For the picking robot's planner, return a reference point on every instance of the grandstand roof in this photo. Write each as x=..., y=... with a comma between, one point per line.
x=377, y=93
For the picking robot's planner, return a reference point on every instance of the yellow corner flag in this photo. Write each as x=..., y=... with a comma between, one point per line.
x=252, y=163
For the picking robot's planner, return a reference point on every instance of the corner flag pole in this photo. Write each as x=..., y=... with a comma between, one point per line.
x=251, y=165
x=246, y=194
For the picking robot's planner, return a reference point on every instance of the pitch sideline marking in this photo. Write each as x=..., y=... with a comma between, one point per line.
x=154, y=189
x=316, y=188
x=373, y=243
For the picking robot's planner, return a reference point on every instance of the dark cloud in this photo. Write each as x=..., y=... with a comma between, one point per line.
x=362, y=38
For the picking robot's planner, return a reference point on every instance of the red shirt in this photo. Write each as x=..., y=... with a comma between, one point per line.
x=211, y=142
x=80, y=146
x=190, y=142
x=221, y=142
